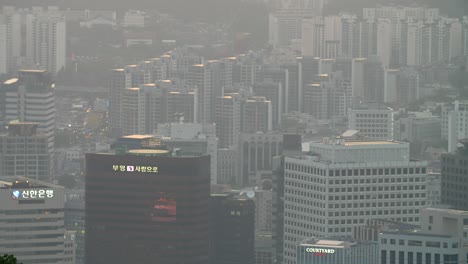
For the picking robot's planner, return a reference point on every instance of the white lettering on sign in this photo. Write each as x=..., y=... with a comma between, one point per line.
x=131, y=168
x=32, y=194
x=320, y=250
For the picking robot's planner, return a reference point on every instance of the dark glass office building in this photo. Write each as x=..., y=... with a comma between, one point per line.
x=232, y=230
x=147, y=206
x=455, y=178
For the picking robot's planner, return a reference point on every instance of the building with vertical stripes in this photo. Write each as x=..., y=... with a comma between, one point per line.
x=338, y=250
x=147, y=206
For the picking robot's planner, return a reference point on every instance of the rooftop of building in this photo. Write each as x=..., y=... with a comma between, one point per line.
x=334, y=242
x=150, y=152
x=366, y=143
x=352, y=137
x=15, y=182
x=448, y=211
x=138, y=136
x=10, y=81
x=33, y=71
x=413, y=233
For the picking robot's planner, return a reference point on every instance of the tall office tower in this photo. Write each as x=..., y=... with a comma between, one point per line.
x=398, y=12
x=75, y=220
x=429, y=42
x=455, y=123
x=367, y=79
x=248, y=68
x=294, y=86
x=41, y=206
x=344, y=65
x=340, y=95
x=400, y=35
x=117, y=84
x=373, y=121
x=409, y=86
x=273, y=92
x=182, y=103
x=10, y=39
x=292, y=145
x=158, y=70
x=233, y=230
x=385, y=44
x=454, y=183
x=456, y=39
x=327, y=66
x=167, y=222
x=30, y=98
x=440, y=240
x=168, y=101
x=227, y=166
x=256, y=115
x=318, y=36
x=206, y=78
x=192, y=139
x=256, y=152
x=465, y=36
x=358, y=79
x=24, y=152
x=309, y=68
x=276, y=74
x=133, y=111
x=358, y=37
x=46, y=41
x=334, y=250
x=326, y=193
x=284, y=27
x=316, y=99
x=391, y=86
x=131, y=76
x=228, y=120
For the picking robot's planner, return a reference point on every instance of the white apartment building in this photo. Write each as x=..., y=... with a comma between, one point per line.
x=10, y=41
x=342, y=183
x=32, y=222
x=455, y=123
x=46, y=41
x=373, y=122
x=133, y=111
x=442, y=239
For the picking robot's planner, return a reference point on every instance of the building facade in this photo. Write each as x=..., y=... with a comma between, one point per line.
x=24, y=152
x=337, y=251
x=454, y=178
x=342, y=183
x=166, y=222
x=32, y=222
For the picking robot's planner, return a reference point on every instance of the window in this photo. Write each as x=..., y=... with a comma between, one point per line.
x=433, y=244
x=418, y=258
x=392, y=256
x=383, y=257
x=428, y=258
x=401, y=257
x=410, y=258
x=415, y=243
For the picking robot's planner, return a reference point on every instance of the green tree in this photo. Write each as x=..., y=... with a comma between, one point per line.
x=8, y=259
